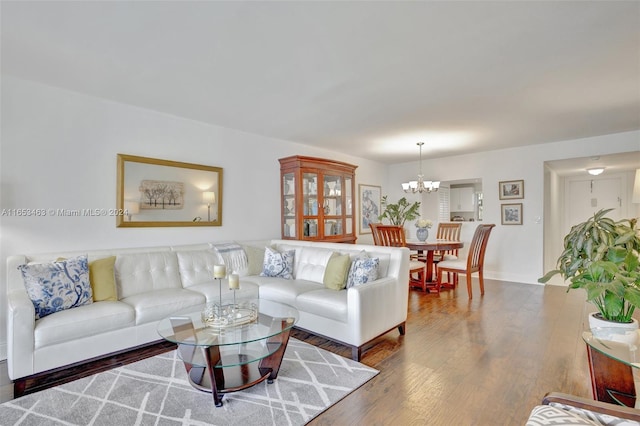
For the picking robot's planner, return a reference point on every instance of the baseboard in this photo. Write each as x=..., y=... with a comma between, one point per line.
x=498, y=276
x=67, y=373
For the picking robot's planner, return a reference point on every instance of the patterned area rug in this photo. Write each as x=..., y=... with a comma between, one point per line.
x=155, y=391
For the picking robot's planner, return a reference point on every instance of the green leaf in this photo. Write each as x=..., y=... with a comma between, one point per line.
x=548, y=276
x=624, y=238
x=613, y=304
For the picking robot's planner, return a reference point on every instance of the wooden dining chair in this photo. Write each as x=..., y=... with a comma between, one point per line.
x=449, y=231
x=473, y=263
x=374, y=232
x=394, y=236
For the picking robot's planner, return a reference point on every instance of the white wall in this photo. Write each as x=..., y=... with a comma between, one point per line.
x=554, y=212
x=515, y=253
x=59, y=151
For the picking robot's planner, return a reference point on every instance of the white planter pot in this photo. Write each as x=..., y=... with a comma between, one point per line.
x=614, y=331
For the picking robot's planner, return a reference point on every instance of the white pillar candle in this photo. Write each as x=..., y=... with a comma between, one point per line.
x=219, y=271
x=234, y=282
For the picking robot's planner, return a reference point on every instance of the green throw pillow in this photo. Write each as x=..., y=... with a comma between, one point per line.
x=102, y=279
x=335, y=274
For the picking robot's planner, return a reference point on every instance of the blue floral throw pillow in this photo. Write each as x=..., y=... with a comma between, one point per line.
x=363, y=270
x=278, y=264
x=58, y=285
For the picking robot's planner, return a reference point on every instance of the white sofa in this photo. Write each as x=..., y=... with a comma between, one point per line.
x=153, y=283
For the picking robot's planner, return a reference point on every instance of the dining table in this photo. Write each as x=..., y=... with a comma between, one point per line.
x=429, y=247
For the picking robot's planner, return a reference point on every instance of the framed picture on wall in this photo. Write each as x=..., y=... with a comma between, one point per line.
x=370, y=197
x=511, y=189
x=152, y=193
x=511, y=214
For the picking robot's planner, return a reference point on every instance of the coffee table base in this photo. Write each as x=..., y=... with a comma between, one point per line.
x=233, y=379
x=242, y=372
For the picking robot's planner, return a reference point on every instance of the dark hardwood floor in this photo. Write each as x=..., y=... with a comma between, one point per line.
x=487, y=361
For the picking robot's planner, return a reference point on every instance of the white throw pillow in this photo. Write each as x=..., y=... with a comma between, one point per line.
x=58, y=285
x=363, y=271
x=277, y=264
x=255, y=257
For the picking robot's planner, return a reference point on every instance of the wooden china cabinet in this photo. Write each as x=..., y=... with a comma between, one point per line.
x=318, y=199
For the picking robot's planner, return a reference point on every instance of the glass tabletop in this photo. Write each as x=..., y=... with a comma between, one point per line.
x=188, y=327
x=605, y=341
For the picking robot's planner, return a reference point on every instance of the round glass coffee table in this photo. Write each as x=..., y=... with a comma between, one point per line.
x=241, y=351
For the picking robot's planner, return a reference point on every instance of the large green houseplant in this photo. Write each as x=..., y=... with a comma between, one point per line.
x=601, y=256
x=400, y=212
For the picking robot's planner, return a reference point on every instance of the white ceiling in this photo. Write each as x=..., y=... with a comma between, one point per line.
x=366, y=78
x=612, y=163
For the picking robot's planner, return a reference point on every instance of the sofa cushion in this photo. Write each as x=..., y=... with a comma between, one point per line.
x=548, y=415
x=83, y=321
x=593, y=416
x=311, y=263
x=363, y=271
x=285, y=291
x=158, y=304
x=324, y=302
x=146, y=272
x=336, y=272
x=278, y=264
x=103, y=280
x=196, y=266
x=58, y=285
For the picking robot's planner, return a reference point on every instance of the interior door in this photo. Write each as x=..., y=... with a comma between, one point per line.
x=586, y=196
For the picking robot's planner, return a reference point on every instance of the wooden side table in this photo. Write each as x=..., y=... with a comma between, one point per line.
x=612, y=367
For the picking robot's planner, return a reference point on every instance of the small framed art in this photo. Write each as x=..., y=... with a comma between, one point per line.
x=511, y=189
x=511, y=214
x=370, y=199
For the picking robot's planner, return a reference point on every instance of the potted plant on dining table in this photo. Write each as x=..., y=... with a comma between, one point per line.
x=601, y=256
x=400, y=212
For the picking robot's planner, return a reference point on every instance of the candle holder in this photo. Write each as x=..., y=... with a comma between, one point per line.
x=234, y=298
x=217, y=315
x=221, y=317
x=219, y=292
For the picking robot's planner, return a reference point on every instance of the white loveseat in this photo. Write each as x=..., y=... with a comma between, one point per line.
x=153, y=283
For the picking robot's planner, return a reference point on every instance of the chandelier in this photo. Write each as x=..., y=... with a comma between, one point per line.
x=421, y=185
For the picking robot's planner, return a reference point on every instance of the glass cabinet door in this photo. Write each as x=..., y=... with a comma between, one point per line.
x=310, y=204
x=348, y=201
x=289, y=205
x=333, y=205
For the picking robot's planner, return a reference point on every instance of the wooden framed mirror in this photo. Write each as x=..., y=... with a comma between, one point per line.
x=155, y=193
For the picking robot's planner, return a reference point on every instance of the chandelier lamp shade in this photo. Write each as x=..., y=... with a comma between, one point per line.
x=421, y=185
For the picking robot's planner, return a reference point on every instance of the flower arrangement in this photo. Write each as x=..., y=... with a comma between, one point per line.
x=424, y=223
